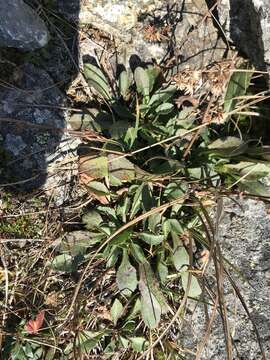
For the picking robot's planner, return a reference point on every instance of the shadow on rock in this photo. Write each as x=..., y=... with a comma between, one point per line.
x=34, y=141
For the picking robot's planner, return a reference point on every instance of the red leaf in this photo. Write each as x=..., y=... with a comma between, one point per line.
x=33, y=326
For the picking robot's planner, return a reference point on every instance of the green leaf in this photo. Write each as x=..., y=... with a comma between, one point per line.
x=162, y=95
x=171, y=225
x=151, y=239
x=248, y=169
x=122, y=238
x=112, y=256
x=195, y=289
x=142, y=81
x=163, y=271
x=154, y=221
x=175, y=191
x=124, y=342
x=116, y=310
x=228, y=147
x=139, y=344
x=92, y=220
x=238, y=85
x=94, y=166
x=123, y=209
x=150, y=307
x=153, y=74
x=97, y=80
x=135, y=310
x=148, y=278
x=63, y=263
x=121, y=168
x=254, y=188
x=124, y=83
x=88, y=340
x=126, y=276
x=137, y=253
x=136, y=205
x=148, y=201
x=77, y=242
x=98, y=188
x=118, y=129
x=108, y=211
x=164, y=108
x=180, y=256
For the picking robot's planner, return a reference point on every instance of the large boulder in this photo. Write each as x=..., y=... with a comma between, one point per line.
x=36, y=148
x=151, y=29
x=21, y=27
x=247, y=24
x=244, y=233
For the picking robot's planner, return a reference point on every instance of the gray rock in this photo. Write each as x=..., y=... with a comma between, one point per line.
x=248, y=26
x=244, y=235
x=39, y=152
x=21, y=27
x=152, y=29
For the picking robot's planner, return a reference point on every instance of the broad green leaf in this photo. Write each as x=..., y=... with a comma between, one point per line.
x=92, y=220
x=142, y=81
x=154, y=221
x=153, y=74
x=248, y=169
x=148, y=277
x=124, y=342
x=148, y=201
x=228, y=147
x=162, y=95
x=164, y=108
x=126, y=276
x=108, y=211
x=151, y=239
x=83, y=121
x=254, y=187
x=121, y=168
x=180, y=256
x=139, y=344
x=113, y=256
x=135, y=310
x=175, y=191
x=116, y=310
x=137, y=253
x=77, y=242
x=123, y=83
x=122, y=238
x=195, y=289
x=163, y=271
x=186, y=117
x=238, y=85
x=136, y=205
x=96, y=167
x=97, y=188
x=119, y=129
x=123, y=208
x=97, y=80
x=88, y=340
x=171, y=225
x=63, y=263
x=150, y=307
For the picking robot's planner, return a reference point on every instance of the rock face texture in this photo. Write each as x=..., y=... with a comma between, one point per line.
x=33, y=142
x=153, y=29
x=244, y=235
x=21, y=27
x=247, y=24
